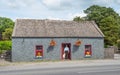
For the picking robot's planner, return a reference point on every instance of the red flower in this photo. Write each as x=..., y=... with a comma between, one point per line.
x=77, y=43
x=52, y=43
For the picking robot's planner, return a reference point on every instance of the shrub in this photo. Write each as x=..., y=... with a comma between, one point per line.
x=5, y=45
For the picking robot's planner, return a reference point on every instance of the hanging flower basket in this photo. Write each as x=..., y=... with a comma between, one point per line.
x=78, y=43
x=52, y=43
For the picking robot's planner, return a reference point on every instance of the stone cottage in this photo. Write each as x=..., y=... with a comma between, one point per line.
x=34, y=39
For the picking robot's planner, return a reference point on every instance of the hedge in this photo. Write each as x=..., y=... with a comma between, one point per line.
x=5, y=45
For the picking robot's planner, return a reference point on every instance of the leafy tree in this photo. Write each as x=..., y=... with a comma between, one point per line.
x=107, y=20
x=7, y=35
x=78, y=18
x=5, y=23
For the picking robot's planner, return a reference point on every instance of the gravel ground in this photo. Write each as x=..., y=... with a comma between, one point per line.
x=4, y=63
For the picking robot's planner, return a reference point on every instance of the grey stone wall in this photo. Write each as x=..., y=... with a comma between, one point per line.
x=23, y=49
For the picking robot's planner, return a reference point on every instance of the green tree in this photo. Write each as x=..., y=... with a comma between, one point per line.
x=5, y=23
x=107, y=20
x=7, y=35
x=78, y=18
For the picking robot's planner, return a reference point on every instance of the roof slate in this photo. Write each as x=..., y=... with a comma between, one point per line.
x=55, y=28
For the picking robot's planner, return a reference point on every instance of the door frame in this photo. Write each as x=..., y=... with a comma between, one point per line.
x=62, y=50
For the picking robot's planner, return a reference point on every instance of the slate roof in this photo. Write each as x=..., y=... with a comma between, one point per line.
x=55, y=28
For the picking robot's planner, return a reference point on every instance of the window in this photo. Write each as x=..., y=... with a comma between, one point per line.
x=38, y=47
x=88, y=51
x=39, y=51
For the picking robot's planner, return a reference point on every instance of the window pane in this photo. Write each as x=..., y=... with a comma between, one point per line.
x=88, y=51
x=39, y=47
x=88, y=47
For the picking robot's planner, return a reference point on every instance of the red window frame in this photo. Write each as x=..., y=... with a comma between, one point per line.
x=88, y=51
x=39, y=51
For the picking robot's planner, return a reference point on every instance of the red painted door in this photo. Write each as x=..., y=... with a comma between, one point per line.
x=63, y=51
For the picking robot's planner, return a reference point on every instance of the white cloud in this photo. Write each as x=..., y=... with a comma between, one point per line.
x=52, y=3
x=73, y=15
x=117, y=1
x=57, y=4
x=21, y=4
x=103, y=1
x=15, y=4
x=51, y=9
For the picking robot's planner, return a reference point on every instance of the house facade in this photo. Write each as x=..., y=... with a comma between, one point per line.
x=56, y=40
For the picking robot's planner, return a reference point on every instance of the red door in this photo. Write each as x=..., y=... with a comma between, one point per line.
x=63, y=50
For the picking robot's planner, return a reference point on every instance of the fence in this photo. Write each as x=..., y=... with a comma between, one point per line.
x=109, y=53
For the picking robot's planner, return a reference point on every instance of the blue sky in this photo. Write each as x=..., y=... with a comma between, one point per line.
x=51, y=9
